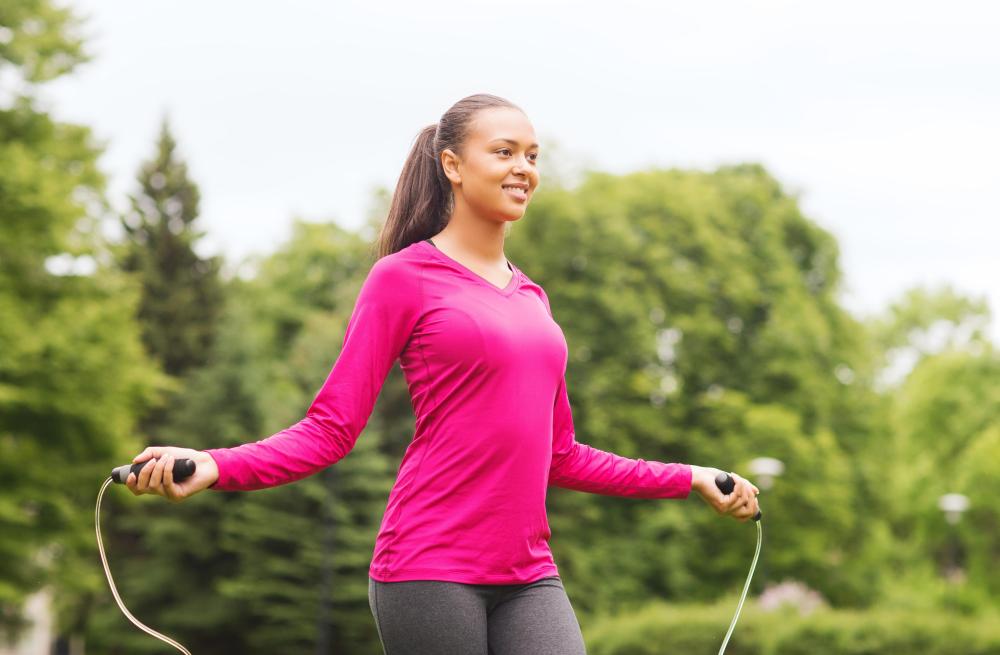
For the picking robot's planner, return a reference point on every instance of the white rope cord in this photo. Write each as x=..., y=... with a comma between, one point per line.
x=745, y=588
x=107, y=572
x=139, y=624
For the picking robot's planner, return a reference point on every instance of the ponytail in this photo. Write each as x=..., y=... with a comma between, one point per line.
x=423, y=200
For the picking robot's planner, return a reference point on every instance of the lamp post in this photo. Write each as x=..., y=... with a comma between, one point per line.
x=765, y=470
x=953, y=505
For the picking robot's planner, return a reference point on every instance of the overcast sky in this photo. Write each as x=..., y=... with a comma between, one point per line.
x=883, y=116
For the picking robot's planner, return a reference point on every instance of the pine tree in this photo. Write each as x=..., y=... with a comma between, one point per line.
x=158, y=545
x=182, y=291
x=303, y=550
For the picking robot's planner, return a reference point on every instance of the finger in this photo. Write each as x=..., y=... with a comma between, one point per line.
x=737, y=493
x=169, y=488
x=736, y=497
x=738, y=507
x=143, y=456
x=130, y=482
x=156, y=478
x=143, y=482
x=719, y=502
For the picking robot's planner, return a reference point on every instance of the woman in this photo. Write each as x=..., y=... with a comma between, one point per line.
x=461, y=562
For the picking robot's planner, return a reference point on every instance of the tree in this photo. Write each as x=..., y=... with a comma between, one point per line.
x=182, y=293
x=303, y=550
x=182, y=298
x=72, y=369
x=939, y=373
x=701, y=316
x=283, y=569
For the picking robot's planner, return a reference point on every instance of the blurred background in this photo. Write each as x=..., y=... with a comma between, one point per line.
x=768, y=230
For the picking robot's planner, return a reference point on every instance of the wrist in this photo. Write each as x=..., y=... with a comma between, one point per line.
x=701, y=476
x=209, y=463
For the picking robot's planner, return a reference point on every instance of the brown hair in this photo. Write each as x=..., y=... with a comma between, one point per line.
x=423, y=199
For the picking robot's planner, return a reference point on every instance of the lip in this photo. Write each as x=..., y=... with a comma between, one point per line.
x=518, y=194
x=520, y=185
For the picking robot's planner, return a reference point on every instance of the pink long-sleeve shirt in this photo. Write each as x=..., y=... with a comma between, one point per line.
x=485, y=368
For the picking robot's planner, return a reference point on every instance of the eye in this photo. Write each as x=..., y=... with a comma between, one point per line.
x=533, y=155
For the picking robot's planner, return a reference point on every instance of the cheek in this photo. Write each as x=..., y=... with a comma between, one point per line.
x=486, y=179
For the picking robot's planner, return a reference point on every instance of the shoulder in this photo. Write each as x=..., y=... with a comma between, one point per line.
x=530, y=286
x=396, y=275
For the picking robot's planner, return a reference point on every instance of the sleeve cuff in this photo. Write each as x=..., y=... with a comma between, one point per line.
x=219, y=455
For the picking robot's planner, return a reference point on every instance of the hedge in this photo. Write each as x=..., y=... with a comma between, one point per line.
x=660, y=629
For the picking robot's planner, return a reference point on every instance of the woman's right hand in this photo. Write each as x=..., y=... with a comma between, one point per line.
x=741, y=504
x=157, y=477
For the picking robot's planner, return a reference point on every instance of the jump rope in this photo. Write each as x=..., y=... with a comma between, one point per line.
x=184, y=468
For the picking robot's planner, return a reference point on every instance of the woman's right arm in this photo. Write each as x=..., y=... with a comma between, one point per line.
x=388, y=307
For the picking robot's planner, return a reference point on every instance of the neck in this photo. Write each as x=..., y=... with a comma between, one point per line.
x=475, y=238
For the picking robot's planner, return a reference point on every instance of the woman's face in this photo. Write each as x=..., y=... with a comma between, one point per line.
x=497, y=171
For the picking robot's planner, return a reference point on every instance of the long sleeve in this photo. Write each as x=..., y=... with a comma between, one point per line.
x=385, y=313
x=584, y=468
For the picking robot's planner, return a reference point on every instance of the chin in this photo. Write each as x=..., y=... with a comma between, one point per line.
x=507, y=216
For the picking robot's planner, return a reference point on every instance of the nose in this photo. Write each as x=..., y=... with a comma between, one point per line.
x=521, y=166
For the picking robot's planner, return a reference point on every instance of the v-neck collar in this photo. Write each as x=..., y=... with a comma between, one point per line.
x=506, y=291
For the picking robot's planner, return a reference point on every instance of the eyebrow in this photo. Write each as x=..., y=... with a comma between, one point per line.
x=513, y=142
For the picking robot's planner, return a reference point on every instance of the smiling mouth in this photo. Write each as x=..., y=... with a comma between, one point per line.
x=516, y=192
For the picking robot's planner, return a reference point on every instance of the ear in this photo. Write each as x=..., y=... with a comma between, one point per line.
x=450, y=162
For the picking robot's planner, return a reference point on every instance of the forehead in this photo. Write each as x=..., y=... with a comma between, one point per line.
x=502, y=123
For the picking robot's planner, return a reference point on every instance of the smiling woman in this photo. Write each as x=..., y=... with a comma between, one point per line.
x=466, y=177
x=462, y=562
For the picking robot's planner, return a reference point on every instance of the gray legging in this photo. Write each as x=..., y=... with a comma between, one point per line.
x=433, y=617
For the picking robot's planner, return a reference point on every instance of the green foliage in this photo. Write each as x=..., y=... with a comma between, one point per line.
x=281, y=569
x=908, y=321
x=946, y=439
x=180, y=300
x=182, y=296
x=73, y=374
x=700, y=311
x=44, y=42
x=302, y=551
x=702, y=316
x=659, y=628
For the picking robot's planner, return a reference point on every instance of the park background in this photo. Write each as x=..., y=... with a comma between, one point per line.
x=768, y=230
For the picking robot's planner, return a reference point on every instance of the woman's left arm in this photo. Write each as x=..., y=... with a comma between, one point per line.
x=581, y=467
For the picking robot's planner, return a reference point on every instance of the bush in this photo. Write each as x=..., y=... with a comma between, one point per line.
x=661, y=629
